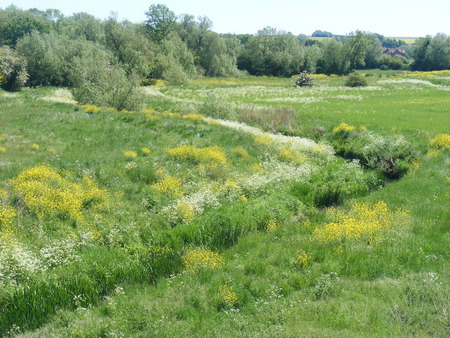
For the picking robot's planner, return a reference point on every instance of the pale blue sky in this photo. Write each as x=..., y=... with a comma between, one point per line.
x=395, y=18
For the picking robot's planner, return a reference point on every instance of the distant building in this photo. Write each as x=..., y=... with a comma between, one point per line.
x=394, y=51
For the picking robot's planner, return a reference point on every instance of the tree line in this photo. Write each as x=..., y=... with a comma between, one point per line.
x=42, y=48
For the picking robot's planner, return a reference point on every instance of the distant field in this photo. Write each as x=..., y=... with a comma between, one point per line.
x=408, y=40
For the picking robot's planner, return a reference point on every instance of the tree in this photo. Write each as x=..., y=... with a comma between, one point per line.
x=319, y=33
x=431, y=53
x=333, y=60
x=131, y=48
x=15, y=23
x=356, y=45
x=160, y=22
x=13, y=71
x=272, y=52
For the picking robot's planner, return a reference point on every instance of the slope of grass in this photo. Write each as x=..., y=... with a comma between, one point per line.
x=240, y=207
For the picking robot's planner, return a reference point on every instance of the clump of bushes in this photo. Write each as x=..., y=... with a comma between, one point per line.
x=13, y=72
x=304, y=79
x=390, y=155
x=356, y=80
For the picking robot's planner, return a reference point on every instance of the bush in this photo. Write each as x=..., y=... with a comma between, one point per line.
x=304, y=79
x=356, y=80
x=214, y=106
x=392, y=156
x=12, y=70
x=96, y=81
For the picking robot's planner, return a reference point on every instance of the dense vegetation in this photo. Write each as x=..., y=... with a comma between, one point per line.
x=112, y=57
x=150, y=187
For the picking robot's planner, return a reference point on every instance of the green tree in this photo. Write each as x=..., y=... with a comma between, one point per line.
x=272, y=52
x=333, y=59
x=356, y=45
x=15, y=23
x=174, y=61
x=13, y=71
x=431, y=53
x=130, y=46
x=83, y=25
x=160, y=22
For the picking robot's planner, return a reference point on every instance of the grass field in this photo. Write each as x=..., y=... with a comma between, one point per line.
x=223, y=209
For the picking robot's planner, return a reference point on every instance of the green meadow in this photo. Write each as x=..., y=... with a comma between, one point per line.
x=229, y=207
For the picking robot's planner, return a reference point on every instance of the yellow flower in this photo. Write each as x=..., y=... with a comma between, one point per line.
x=170, y=186
x=129, y=154
x=200, y=258
x=195, y=117
x=263, y=139
x=343, y=127
x=301, y=258
x=367, y=221
x=441, y=141
x=35, y=146
x=205, y=155
x=227, y=295
x=2, y=149
x=145, y=151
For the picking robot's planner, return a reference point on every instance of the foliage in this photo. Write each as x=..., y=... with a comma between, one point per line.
x=97, y=81
x=431, y=53
x=15, y=24
x=160, y=21
x=272, y=52
x=356, y=80
x=304, y=79
x=392, y=156
x=12, y=69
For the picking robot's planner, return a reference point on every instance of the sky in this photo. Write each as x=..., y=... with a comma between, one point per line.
x=391, y=18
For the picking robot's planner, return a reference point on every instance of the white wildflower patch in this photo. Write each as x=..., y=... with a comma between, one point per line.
x=305, y=100
x=349, y=97
x=274, y=172
x=17, y=264
x=61, y=96
x=414, y=82
x=60, y=253
x=295, y=142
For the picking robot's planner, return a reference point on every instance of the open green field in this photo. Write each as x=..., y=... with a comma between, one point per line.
x=229, y=207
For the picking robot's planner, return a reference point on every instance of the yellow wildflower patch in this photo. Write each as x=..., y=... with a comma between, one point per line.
x=365, y=221
x=7, y=216
x=2, y=149
x=272, y=225
x=90, y=108
x=170, y=186
x=35, y=146
x=227, y=295
x=205, y=155
x=302, y=259
x=343, y=127
x=129, y=154
x=45, y=193
x=195, y=117
x=241, y=152
x=441, y=141
x=200, y=258
x=145, y=151
x=263, y=139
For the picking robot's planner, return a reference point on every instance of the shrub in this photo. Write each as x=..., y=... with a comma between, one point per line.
x=13, y=73
x=304, y=79
x=356, y=80
x=214, y=106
